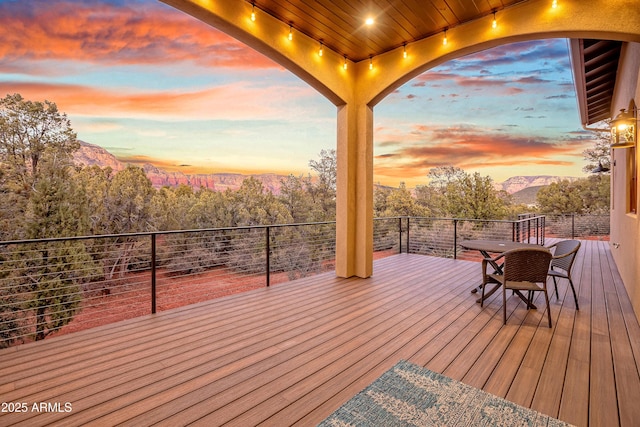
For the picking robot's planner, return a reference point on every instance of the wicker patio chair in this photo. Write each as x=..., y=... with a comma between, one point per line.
x=564, y=254
x=523, y=270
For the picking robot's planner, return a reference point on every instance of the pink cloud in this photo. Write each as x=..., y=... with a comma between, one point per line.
x=118, y=35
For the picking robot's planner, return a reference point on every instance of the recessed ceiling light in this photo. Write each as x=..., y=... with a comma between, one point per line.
x=369, y=21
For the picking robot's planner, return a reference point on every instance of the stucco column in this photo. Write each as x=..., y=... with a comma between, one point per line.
x=354, y=204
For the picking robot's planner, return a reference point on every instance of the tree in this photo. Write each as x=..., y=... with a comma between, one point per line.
x=587, y=195
x=297, y=200
x=128, y=207
x=600, y=153
x=560, y=198
x=473, y=196
x=326, y=168
x=400, y=202
x=323, y=192
x=440, y=177
x=30, y=133
x=36, y=145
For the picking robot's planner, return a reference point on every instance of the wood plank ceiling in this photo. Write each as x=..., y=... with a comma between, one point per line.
x=340, y=24
x=599, y=62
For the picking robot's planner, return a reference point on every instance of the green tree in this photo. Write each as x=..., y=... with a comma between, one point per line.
x=323, y=190
x=599, y=155
x=297, y=200
x=36, y=145
x=400, y=202
x=473, y=196
x=587, y=195
x=128, y=207
x=30, y=133
x=560, y=198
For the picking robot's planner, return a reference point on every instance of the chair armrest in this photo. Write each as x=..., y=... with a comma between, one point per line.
x=562, y=256
x=487, y=260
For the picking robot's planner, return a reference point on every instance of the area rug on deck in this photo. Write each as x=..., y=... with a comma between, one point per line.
x=410, y=395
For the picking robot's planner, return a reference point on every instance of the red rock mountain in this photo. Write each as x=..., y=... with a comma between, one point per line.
x=90, y=154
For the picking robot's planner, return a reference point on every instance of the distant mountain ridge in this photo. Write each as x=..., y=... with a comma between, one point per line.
x=90, y=154
x=518, y=183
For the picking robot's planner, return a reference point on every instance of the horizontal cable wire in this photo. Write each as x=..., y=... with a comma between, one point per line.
x=58, y=286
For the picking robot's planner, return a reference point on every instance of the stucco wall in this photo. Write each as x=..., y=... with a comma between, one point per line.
x=625, y=227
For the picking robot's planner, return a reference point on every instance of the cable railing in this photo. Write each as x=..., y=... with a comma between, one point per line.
x=55, y=286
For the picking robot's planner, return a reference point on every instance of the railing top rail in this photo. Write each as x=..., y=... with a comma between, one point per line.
x=507, y=221
x=150, y=233
x=246, y=227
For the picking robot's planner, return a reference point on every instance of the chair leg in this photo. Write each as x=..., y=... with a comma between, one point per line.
x=484, y=285
x=504, y=305
x=546, y=298
x=556, y=286
x=575, y=297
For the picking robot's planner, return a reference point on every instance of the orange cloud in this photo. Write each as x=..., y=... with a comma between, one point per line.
x=105, y=33
x=469, y=147
x=229, y=102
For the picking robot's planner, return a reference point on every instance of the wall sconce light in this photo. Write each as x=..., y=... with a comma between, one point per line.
x=345, y=62
x=624, y=128
x=290, y=32
x=253, y=12
x=320, y=51
x=444, y=39
x=494, y=23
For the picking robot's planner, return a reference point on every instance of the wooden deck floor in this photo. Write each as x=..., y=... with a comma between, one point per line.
x=293, y=353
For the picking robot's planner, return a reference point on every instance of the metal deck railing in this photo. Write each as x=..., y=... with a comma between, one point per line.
x=61, y=285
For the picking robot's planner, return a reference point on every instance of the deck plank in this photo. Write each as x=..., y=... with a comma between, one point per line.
x=291, y=354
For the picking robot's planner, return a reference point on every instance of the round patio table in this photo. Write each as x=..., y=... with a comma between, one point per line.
x=486, y=247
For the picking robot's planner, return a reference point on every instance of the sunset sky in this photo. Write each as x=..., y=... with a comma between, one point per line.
x=152, y=84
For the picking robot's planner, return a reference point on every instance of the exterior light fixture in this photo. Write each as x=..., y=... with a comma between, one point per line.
x=444, y=40
x=253, y=12
x=624, y=128
x=345, y=62
x=290, y=32
x=404, y=51
x=494, y=24
x=320, y=51
x=371, y=62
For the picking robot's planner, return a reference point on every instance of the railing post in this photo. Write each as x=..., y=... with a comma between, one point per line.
x=455, y=239
x=408, y=235
x=400, y=233
x=268, y=246
x=573, y=226
x=153, y=273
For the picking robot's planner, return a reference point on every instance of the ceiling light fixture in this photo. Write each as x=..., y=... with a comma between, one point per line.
x=253, y=12
x=444, y=40
x=554, y=4
x=369, y=21
x=345, y=62
x=290, y=32
x=494, y=24
x=404, y=52
x=320, y=51
x=371, y=62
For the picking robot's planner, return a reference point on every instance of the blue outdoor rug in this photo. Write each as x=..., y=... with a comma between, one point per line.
x=410, y=395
